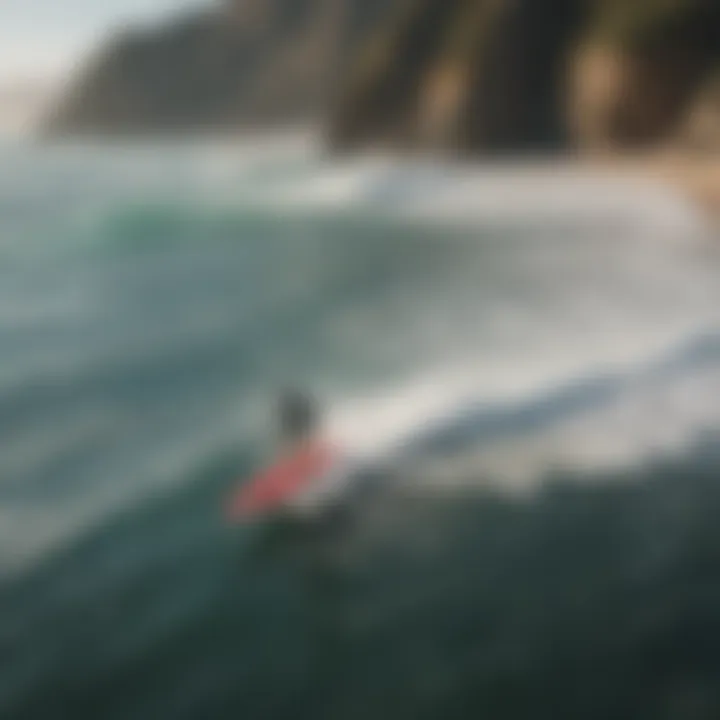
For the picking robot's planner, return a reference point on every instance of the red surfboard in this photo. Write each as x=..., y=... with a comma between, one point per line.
x=283, y=481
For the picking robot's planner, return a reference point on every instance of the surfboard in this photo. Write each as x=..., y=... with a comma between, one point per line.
x=284, y=482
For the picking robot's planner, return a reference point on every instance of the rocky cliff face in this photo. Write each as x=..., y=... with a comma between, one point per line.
x=530, y=75
x=652, y=67
x=459, y=75
x=242, y=62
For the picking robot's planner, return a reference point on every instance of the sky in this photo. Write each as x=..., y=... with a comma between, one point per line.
x=44, y=39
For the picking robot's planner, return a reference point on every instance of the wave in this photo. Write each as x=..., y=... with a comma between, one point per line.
x=551, y=195
x=141, y=196
x=163, y=293
x=613, y=419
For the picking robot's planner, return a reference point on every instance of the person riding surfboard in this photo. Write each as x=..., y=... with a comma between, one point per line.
x=304, y=458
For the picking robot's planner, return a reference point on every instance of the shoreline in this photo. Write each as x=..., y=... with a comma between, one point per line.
x=695, y=176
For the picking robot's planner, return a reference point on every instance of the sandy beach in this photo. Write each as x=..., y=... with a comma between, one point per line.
x=696, y=177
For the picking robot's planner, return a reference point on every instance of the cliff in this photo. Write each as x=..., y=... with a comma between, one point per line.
x=530, y=75
x=242, y=62
x=477, y=76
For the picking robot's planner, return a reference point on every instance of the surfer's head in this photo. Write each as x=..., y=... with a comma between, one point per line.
x=298, y=415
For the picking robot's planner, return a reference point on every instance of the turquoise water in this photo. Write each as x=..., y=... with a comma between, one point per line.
x=538, y=353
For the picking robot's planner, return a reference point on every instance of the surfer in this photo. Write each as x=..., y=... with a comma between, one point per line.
x=310, y=476
x=303, y=461
x=298, y=419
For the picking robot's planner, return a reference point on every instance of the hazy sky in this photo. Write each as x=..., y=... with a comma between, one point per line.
x=43, y=38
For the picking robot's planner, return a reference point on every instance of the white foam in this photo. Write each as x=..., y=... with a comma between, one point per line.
x=485, y=194
x=380, y=419
x=645, y=424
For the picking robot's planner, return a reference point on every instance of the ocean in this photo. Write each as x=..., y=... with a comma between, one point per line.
x=534, y=349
